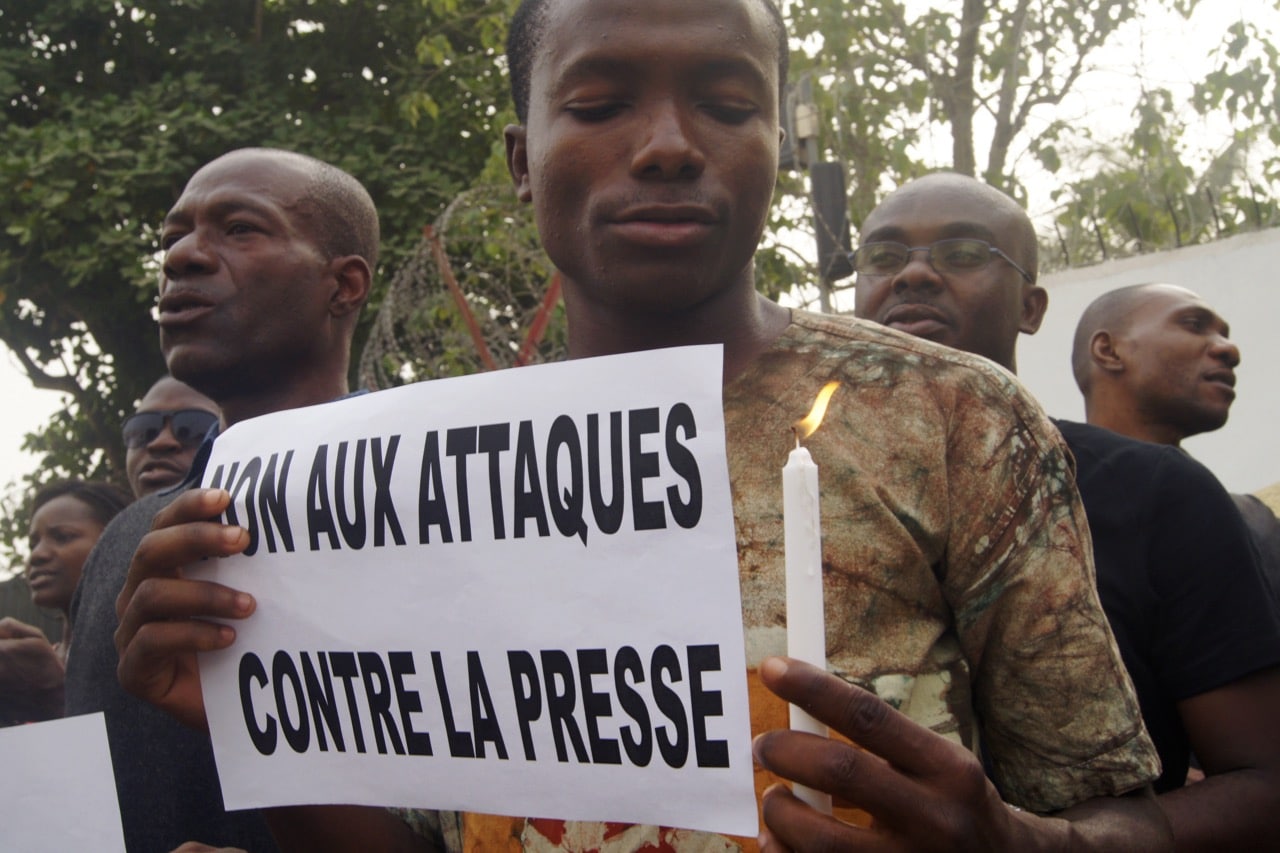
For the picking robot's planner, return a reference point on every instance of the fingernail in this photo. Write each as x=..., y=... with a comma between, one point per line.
x=243, y=602
x=775, y=667
x=231, y=535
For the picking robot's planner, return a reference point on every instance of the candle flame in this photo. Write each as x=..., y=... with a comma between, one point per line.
x=809, y=424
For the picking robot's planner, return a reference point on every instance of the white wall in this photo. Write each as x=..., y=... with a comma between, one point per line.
x=1240, y=278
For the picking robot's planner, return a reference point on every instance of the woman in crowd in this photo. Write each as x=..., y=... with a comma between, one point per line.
x=66, y=520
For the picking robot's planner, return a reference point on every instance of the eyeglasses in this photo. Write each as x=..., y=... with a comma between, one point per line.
x=945, y=256
x=189, y=427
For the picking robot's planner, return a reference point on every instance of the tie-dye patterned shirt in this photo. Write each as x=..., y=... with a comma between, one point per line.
x=957, y=565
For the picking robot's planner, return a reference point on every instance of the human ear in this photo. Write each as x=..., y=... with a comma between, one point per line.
x=518, y=160
x=1102, y=351
x=352, y=278
x=1035, y=301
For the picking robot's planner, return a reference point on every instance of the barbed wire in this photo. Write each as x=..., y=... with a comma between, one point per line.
x=467, y=298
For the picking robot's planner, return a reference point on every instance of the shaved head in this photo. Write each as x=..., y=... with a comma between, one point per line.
x=340, y=212
x=1112, y=312
x=1154, y=362
x=980, y=308
x=995, y=204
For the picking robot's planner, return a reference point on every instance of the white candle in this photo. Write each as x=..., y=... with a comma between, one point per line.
x=806, y=625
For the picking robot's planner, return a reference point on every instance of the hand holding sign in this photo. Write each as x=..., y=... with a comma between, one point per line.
x=163, y=616
x=474, y=594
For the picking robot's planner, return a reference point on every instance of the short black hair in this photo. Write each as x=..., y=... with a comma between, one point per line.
x=530, y=22
x=345, y=220
x=105, y=500
x=1111, y=312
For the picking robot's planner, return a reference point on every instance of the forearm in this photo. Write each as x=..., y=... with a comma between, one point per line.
x=343, y=829
x=1238, y=810
x=1131, y=823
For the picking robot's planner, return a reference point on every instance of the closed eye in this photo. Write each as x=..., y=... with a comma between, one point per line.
x=592, y=113
x=730, y=113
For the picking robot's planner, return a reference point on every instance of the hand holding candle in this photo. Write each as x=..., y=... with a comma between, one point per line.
x=802, y=525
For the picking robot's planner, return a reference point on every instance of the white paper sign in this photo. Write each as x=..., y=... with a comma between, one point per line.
x=511, y=593
x=57, y=791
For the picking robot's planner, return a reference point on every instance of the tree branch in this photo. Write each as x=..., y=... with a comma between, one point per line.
x=1004, y=131
x=45, y=381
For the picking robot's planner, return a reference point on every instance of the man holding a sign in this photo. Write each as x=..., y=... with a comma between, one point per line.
x=648, y=148
x=268, y=259
x=956, y=570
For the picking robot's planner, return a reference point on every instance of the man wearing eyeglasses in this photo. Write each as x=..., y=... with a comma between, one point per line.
x=951, y=259
x=162, y=437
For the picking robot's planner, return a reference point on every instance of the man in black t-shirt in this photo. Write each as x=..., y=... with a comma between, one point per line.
x=951, y=259
x=1154, y=362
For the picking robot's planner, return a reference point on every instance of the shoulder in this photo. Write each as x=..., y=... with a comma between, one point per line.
x=877, y=354
x=108, y=562
x=133, y=522
x=1257, y=514
x=1096, y=446
x=972, y=394
x=1101, y=452
x=925, y=405
x=846, y=332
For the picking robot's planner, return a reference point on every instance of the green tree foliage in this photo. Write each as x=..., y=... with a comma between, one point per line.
x=1149, y=191
x=109, y=107
x=979, y=70
x=891, y=79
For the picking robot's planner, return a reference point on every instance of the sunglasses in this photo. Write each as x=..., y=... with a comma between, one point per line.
x=188, y=426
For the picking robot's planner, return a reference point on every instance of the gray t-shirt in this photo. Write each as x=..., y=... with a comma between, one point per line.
x=166, y=779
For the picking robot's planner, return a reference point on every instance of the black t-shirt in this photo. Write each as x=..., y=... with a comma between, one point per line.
x=1177, y=577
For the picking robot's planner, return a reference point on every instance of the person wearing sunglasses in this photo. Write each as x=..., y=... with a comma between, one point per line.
x=162, y=437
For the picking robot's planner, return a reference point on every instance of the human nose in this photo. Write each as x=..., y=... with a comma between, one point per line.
x=186, y=256
x=668, y=151
x=918, y=273
x=40, y=554
x=165, y=440
x=1225, y=351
